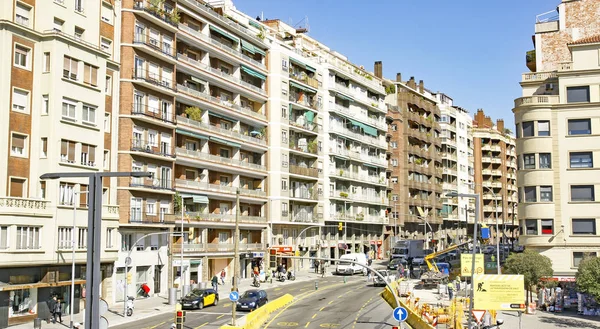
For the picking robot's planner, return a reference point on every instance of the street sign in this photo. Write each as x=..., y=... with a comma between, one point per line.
x=499, y=292
x=466, y=264
x=127, y=260
x=478, y=315
x=234, y=296
x=400, y=314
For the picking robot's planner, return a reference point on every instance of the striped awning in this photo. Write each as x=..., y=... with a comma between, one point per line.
x=301, y=87
x=190, y=134
x=225, y=34
x=253, y=73
x=222, y=141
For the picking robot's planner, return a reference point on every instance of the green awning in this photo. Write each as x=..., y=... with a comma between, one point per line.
x=367, y=129
x=198, y=80
x=248, y=46
x=232, y=144
x=196, y=261
x=297, y=62
x=370, y=166
x=311, y=69
x=221, y=116
x=200, y=199
x=255, y=24
x=301, y=87
x=342, y=96
x=253, y=73
x=260, y=51
x=190, y=134
x=310, y=116
x=225, y=34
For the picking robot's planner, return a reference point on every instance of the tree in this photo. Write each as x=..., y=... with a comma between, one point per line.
x=532, y=265
x=587, y=276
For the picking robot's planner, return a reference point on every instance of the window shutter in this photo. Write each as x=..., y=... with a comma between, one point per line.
x=71, y=151
x=18, y=141
x=86, y=73
x=67, y=64
x=83, y=195
x=92, y=153
x=64, y=145
x=94, y=81
x=16, y=187
x=85, y=148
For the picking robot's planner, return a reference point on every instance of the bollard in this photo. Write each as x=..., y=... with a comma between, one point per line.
x=316, y=285
x=345, y=279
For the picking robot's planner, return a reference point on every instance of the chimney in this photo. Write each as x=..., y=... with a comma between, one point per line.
x=411, y=83
x=378, y=69
x=500, y=125
x=421, y=86
x=398, y=77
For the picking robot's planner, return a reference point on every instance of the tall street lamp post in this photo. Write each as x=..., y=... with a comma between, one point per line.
x=73, y=243
x=93, y=275
x=497, y=228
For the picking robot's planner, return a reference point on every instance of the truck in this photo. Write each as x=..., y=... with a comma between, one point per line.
x=407, y=249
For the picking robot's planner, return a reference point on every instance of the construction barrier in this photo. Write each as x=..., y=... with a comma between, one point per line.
x=255, y=319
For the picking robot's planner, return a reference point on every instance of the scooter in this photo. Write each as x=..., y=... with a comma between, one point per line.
x=291, y=276
x=282, y=276
x=129, y=305
x=256, y=281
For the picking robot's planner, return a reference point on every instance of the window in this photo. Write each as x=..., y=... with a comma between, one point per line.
x=106, y=122
x=581, y=160
x=284, y=185
x=106, y=160
x=394, y=145
x=518, y=130
x=90, y=75
x=582, y=193
x=67, y=151
x=547, y=226
x=531, y=227
x=106, y=45
x=578, y=94
x=58, y=24
x=18, y=145
x=83, y=196
x=45, y=104
x=3, y=237
x=28, y=237
x=42, y=190
x=224, y=153
x=543, y=128
x=70, y=68
x=17, y=187
x=88, y=115
x=44, y=147
x=68, y=110
x=530, y=194
x=106, y=13
x=22, y=56
x=82, y=238
x=395, y=162
x=65, y=237
x=284, y=209
x=66, y=194
x=585, y=226
x=46, y=62
x=108, y=85
x=578, y=256
x=110, y=237
x=546, y=193
x=79, y=6
x=394, y=127
x=580, y=127
x=22, y=14
x=151, y=207
x=528, y=129
x=394, y=180
x=545, y=159
x=529, y=161
x=88, y=155
x=78, y=33
x=20, y=100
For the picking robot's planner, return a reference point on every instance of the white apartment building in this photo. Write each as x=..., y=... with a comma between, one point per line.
x=557, y=126
x=457, y=163
x=59, y=68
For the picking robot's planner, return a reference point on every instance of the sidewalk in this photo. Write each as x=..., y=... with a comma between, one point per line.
x=155, y=305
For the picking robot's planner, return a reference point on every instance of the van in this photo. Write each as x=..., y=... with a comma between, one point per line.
x=350, y=268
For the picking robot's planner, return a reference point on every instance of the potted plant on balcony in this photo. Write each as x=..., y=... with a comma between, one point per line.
x=341, y=172
x=174, y=16
x=156, y=6
x=360, y=216
x=312, y=146
x=292, y=144
x=343, y=194
x=194, y=113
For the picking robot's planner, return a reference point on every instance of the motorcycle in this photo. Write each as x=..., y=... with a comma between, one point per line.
x=256, y=281
x=129, y=305
x=282, y=276
x=499, y=322
x=291, y=276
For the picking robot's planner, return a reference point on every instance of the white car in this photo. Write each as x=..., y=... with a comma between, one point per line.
x=388, y=275
x=345, y=267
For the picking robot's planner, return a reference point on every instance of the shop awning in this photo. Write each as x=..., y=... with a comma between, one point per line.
x=301, y=87
x=253, y=73
x=225, y=34
x=248, y=46
x=342, y=96
x=190, y=134
x=232, y=144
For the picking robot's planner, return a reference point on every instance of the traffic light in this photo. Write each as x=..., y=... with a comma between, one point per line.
x=179, y=319
x=340, y=226
x=129, y=278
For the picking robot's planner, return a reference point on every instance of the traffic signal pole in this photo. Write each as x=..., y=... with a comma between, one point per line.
x=236, y=254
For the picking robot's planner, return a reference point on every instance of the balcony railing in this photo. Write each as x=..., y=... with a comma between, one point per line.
x=305, y=79
x=218, y=188
x=215, y=100
x=76, y=40
x=139, y=216
x=293, y=145
x=364, y=138
x=361, y=198
x=303, y=194
x=357, y=176
x=140, y=145
x=153, y=78
x=24, y=206
x=304, y=218
x=147, y=7
x=536, y=100
x=110, y=211
x=298, y=170
x=354, y=114
x=311, y=126
x=151, y=183
x=348, y=68
x=538, y=76
x=214, y=129
x=180, y=151
x=217, y=247
x=154, y=44
x=304, y=101
x=365, y=99
x=151, y=112
x=224, y=218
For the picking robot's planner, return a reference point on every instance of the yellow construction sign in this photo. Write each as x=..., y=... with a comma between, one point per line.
x=466, y=264
x=498, y=292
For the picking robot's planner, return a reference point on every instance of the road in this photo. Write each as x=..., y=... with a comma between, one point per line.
x=334, y=304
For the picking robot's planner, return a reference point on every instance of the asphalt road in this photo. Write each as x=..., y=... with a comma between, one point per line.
x=330, y=289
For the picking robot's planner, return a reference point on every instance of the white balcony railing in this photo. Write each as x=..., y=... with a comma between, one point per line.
x=216, y=158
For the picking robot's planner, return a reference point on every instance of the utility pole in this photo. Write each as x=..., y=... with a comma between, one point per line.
x=236, y=252
x=181, y=251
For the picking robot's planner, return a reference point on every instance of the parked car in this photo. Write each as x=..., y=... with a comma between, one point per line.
x=396, y=263
x=518, y=248
x=198, y=298
x=489, y=249
x=251, y=300
x=389, y=277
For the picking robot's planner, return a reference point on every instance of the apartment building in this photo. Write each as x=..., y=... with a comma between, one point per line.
x=495, y=166
x=59, y=75
x=193, y=113
x=457, y=163
x=331, y=124
x=416, y=168
x=557, y=129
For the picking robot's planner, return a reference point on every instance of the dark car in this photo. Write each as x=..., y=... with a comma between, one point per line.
x=198, y=298
x=395, y=263
x=251, y=300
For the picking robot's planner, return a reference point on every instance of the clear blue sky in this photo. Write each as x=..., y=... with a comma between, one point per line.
x=472, y=50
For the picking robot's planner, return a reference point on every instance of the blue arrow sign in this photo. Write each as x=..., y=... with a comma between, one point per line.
x=400, y=314
x=234, y=296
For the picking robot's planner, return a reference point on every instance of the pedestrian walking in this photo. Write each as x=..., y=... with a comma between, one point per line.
x=450, y=290
x=51, y=305
x=215, y=282
x=58, y=311
x=223, y=275
x=457, y=283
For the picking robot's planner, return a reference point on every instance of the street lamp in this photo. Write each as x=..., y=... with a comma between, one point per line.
x=497, y=228
x=73, y=256
x=477, y=205
x=93, y=275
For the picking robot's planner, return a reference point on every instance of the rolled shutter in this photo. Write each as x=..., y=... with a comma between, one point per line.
x=71, y=151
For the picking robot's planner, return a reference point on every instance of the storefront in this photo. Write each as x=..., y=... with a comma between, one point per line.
x=276, y=256
x=558, y=294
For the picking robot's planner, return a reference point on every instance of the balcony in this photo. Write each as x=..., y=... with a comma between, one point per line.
x=217, y=247
x=141, y=217
x=450, y=171
x=450, y=156
x=496, y=148
x=360, y=97
x=530, y=60
x=16, y=206
x=337, y=128
x=304, y=101
x=538, y=76
x=152, y=115
x=221, y=103
x=349, y=69
x=305, y=79
x=152, y=183
x=189, y=184
x=497, y=172
x=305, y=125
x=108, y=212
x=305, y=194
x=224, y=218
x=304, y=171
x=490, y=196
x=347, y=112
x=212, y=129
x=537, y=100
x=310, y=147
x=164, y=51
x=361, y=177
x=202, y=156
x=304, y=218
x=140, y=145
x=486, y=159
x=155, y=15
x=154, y=80
x=373, y=199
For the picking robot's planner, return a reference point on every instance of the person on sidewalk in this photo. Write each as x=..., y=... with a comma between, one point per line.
x=215, y=282
x=51, y=305
x=57, y=311
x=450, y=290
x=223, y=275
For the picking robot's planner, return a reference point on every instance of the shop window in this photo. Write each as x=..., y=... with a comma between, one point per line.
x=22, y=302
